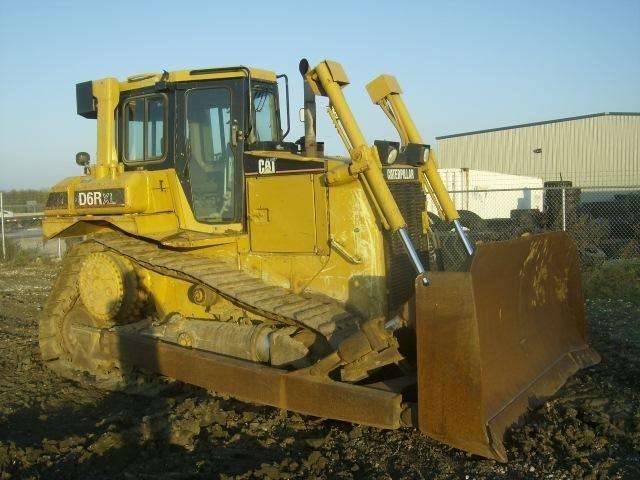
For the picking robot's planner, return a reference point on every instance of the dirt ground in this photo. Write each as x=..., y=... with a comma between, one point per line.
x=55, y=428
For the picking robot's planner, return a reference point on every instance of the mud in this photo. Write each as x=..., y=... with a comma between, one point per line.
x=55, y=428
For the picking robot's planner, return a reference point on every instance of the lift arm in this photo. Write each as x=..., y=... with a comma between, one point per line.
x=327, y=79
x=385, y=92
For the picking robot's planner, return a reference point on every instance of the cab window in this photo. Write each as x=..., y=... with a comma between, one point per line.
x=144, y=127
x=266, y=116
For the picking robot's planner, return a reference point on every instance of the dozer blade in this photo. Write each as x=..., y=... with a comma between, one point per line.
x=498, y=338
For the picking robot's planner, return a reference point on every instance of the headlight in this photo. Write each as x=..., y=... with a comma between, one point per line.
x=425, y=156
x=416, y=154
x=393, y=155
x=387, y=151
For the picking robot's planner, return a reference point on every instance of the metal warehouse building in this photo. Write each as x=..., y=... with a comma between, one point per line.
x=601, y=149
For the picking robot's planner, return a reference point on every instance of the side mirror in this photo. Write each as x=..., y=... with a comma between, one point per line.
x=82, y=159
x=286, y=86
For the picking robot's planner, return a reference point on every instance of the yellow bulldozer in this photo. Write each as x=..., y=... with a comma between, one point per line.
x=219, y=254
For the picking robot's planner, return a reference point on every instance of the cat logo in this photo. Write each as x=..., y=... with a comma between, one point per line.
x=266, y=166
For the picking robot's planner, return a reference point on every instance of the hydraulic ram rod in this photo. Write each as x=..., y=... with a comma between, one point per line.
x=413, y=255
x=463, y=236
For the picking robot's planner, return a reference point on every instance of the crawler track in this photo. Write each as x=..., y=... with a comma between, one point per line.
x=248, y=292
x=60, y=302
x=252, y=294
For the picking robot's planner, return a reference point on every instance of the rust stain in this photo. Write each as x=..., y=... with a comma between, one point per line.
x=562, y=284
x=537, y=260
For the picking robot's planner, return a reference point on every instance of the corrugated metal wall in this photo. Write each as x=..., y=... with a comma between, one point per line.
x=593, y=151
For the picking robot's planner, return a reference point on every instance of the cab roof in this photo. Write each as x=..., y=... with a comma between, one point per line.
x=148, y=79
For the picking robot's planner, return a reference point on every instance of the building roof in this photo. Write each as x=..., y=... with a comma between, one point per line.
x=557, y=120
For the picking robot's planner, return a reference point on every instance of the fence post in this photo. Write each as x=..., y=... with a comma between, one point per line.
x=4, y=247
x=564, y=210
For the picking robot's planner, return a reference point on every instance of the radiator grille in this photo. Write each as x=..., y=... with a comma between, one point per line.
x=400, y=272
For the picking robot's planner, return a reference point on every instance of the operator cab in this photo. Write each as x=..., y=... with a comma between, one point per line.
x=197, y=123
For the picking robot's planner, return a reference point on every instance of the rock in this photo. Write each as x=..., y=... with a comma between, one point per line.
x=270, y=471
x=106, y=442
x=218, y=432
x=288, y=441
x=313, y=458
x=71, y=442
x=316, y=461
x=210, y=417
x=49, y=446
x=315, y=442
x=247, y=416
x=596, y=403
x=183, y=433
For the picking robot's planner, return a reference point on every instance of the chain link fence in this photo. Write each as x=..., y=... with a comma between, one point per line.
x=604, y=221
x=21, y=231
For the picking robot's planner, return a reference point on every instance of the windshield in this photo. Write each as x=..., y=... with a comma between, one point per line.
x=266, y=116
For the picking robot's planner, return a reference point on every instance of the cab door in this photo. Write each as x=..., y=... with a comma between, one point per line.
x=210, y=160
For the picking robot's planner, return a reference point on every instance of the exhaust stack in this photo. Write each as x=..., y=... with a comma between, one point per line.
x=310, y=143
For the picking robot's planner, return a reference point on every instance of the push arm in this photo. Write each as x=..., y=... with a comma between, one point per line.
x=385, y=92
x=327, y=79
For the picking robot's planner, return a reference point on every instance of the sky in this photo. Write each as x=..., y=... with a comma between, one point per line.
x=462, y=65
